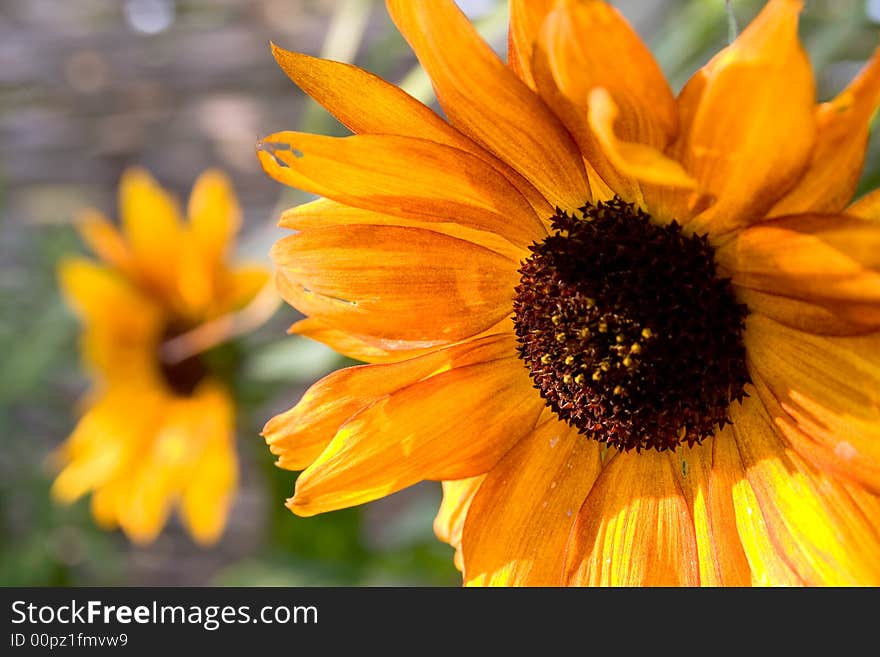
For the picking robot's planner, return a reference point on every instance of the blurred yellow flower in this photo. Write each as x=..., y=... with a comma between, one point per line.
x=157, y=431
x=637, y=336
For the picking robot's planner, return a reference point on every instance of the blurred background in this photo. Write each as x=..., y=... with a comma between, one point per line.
x=90, y=87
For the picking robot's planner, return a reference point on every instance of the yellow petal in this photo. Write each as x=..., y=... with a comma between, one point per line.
x=121, y=325
x=453, y=425
x=826, y=395
x=518, y=524
x=748, y=120
x=151, y=488
x=195, y=285
x=402, y=176
x=449, y=522
x=212, y=479
x=214, y=215
x=134, y=496
x=826, y=261
x=842, y=137
x=766, y=565
x=102, y=297
x=242, y=284
x=813, y=523
x=150, y=219
x=489, y=103
x=708, y=486
x=635, y=527
x=99, y=448
x=102, y=237
x=395, y=283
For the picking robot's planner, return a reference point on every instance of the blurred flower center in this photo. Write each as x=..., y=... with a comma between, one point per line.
x=182, y=376
x=628, y=332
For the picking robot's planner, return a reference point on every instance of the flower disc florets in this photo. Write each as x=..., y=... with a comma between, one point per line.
x=627, y=330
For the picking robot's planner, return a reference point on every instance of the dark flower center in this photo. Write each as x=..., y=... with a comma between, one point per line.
x=181, y=376
x=628, y=333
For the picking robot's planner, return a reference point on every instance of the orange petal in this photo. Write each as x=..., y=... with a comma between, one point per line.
x=567, y=66
x=813, y=524
x=323, y=212
x=828, y=261
x=214, y=215
x=825, y=393
x=708, y=485
x=589, y=44
x=489, y=103
x=402, y=176
x=345, y=90
x=800, y=314
x=526, y=18
x=635, y=527
x=842, y=137
x=371, y=349
x=867, y=207
x=449, y=522
x=150, y=219
x=748, y=123
x=518, y=524
x=604, y=178
x=453, y=425
x=395, y=283
x=299, y=435
x=636, y=160
x=358, y=347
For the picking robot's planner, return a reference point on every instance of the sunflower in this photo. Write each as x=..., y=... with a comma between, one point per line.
x=636, y=335
x=157, y=430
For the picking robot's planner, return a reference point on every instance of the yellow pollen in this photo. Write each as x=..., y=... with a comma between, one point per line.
x=569, y=360
x=603, y=327
x=597, y=375
x=555, y=319
x=636, y=348
x=619, y=338
x=560, y=337
x=579, y=379
x=618, y=390
x=545, y=359
x=583, y=333
x=604, y=366
x=566, y=378
x=647, y=333
x=627, y=361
